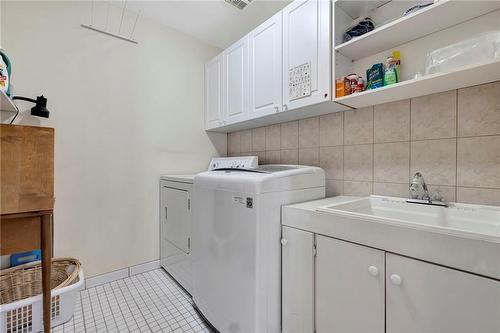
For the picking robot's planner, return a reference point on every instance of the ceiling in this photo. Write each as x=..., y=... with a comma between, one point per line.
x=213, y=21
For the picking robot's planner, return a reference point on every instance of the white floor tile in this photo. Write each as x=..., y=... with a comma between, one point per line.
x=147, y=302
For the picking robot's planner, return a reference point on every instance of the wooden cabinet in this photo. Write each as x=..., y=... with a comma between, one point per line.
x=265, y=47
x=235, y=82
x=27, y=166
x=349, y=287
x=306, y=40
x=423, y=297
x=213, y=93
x=298, y=281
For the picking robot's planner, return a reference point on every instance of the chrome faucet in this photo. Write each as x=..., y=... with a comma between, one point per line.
x=419, y=193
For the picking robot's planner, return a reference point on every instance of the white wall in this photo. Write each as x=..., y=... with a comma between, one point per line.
x=124, y=114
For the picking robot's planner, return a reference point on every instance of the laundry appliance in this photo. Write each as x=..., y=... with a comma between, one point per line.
x=236, y=241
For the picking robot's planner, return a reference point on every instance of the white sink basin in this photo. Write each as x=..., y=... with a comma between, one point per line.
x=459, y=219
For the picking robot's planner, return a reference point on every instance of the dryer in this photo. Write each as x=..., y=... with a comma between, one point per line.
x=236, y=242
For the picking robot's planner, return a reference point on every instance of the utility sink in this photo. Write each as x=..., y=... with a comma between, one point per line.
x=472, y=221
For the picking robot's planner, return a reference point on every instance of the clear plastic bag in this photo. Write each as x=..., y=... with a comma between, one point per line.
x=478, y=49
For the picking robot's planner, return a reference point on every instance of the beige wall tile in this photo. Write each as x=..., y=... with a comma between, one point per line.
x=436, y=160
x=309, y=133
x=273, y=156
x=309, y=156
x=290, y=156
x=434, y=116
x=358, y=162
x=391, y=189
x=259, y=139
x=391, y=162
x=261, y=155
x=273, y=137
x=391, y=122
x=246, y=141
x=360, y=189
x=358, y=126
x=334, y=187
x=478, y=162
x=479, y=110
x=290, y=135
x=331, y=159
x=233, y=142
x=331, y=129
x=479, y=196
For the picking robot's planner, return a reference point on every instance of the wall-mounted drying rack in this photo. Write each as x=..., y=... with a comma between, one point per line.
x=105, y=30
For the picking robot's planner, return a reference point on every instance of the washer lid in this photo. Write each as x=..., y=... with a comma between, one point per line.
x=264, y=179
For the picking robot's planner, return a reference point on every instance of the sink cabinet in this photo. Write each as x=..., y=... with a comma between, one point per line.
x=423, y=297
x=350, y=287
x=362, y=289
x=298, y=280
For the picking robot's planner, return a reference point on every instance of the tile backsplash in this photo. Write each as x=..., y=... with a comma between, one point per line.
x=453, y=138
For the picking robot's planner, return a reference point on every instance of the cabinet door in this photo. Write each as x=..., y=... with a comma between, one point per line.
x=265, y=68
x=235, y=82
x=306, y=41
x=349, y=287
x=423, y=297
x=213, y=93
x=175, y=217
x=297, y=281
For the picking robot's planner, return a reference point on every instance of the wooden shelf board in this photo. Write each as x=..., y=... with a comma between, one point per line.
x=463, y=77
x=434, y=18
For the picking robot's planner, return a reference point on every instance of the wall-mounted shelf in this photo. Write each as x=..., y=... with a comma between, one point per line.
x=439, y=16
x=6, y=104
x=463, y=77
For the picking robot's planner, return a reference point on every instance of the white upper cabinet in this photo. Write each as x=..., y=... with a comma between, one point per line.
x=213, y=93
x=265, y=68
x=235, y=82
x=306, y=52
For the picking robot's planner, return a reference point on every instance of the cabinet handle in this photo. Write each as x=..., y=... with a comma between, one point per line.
x=166, y=213
x=373, y=270
x=285, y=107
x=277, y=108
x=396, y=279
x=284, y=241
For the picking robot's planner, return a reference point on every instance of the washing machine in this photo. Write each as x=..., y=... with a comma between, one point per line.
x=236, y=241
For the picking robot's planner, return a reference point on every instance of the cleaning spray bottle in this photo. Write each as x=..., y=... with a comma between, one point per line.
x=5, y=72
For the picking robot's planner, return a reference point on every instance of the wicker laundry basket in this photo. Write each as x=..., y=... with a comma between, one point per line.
x=21, y=299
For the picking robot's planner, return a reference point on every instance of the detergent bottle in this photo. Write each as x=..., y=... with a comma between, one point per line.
x=5, y=72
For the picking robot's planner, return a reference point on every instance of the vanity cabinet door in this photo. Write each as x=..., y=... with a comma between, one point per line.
x=350, y=291
x=298, y=281
x=423, y=297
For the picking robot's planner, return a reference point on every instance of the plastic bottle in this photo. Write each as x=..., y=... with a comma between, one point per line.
x=5, y=72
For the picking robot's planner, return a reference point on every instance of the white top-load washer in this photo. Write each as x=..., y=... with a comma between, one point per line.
x=236, y=242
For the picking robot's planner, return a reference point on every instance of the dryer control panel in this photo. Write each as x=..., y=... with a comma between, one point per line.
x=240, y=162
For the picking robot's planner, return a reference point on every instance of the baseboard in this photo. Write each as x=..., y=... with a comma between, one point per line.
x=121, y=274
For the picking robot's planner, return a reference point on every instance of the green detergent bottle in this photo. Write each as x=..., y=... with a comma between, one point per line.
x=5, y=72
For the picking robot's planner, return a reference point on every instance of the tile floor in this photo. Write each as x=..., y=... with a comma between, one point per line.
x=147, y=302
